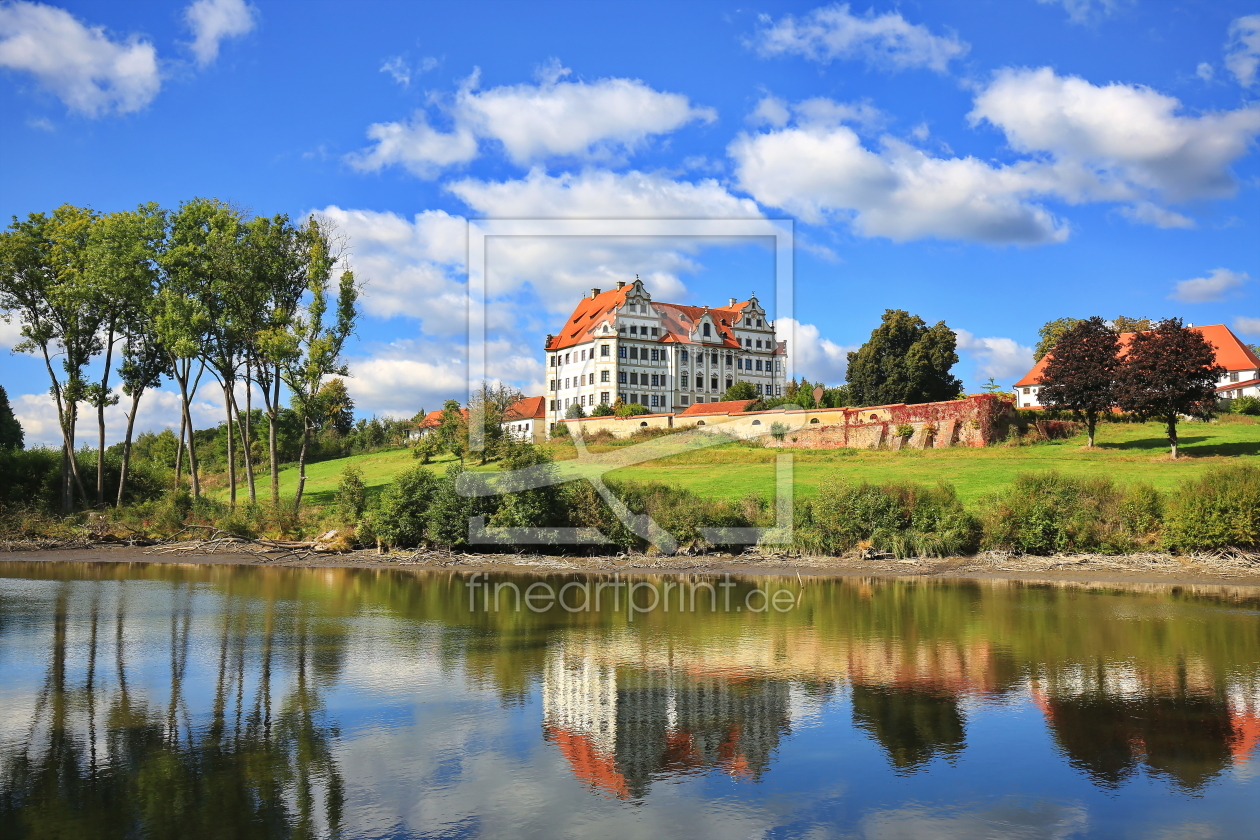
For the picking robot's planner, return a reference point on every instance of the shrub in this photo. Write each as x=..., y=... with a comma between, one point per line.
x=561, y=430
x=1246, y=405
x=602, y=410
x=631, y=410
x=906, y=520
x=1220, y=510
x=351, y=496
x=401, y=513
x=779, y=430
x=1046, y=513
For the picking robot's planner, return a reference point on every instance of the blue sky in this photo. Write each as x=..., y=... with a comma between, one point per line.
x=991, y=164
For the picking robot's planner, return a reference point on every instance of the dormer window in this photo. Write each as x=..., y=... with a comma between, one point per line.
x=706, y=332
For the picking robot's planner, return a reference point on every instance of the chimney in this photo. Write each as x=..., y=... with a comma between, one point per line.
x=594, y=293
x=732, y=304
x=621, y=284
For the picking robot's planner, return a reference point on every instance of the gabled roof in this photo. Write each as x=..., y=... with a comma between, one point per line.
x=727, y=407
x=1229, y=386
x=677, y=321
x=434, y=419
x=526, y=408
x=1231, y=353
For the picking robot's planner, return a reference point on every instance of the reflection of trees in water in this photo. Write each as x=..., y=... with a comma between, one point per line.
x=912, y=725
x=260, y=766
x=1185, y=737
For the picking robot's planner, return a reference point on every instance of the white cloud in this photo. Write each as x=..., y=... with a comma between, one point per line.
x=1160, y=217
x=1085, y=11
x=553, y=118
x=1205, y=71
x=213, y=21
x=80, y=64
x=816, y=358
x=1247, y=326
x=771, y=111
x=562, y=268
x=832, y=32
x=999, y=358
x=416, y=146
x=10, y=332
x=408, y=267
x=402, y=71
x=1215, y=287
x=1116, y=141
x=394, y=386
x=1243, y=58
x=900, y=192
x=159, y=409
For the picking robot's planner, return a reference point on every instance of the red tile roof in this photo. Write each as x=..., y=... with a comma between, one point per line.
x=1231, y=353
x=434, y=419
x=727, y=407
x=677, y=321
x=1229, y=386
x=526, y=408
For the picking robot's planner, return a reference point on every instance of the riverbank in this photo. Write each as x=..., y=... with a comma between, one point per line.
x=1085, y=569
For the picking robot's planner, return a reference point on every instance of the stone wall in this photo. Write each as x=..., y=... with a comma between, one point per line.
x=975, y=421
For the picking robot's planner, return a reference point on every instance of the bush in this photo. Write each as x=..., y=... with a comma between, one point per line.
x=1048, y=513
x=401, y=513
x=1246, y=405
x=561, y=430
x=907, y=520
x=602, y=410
x=1219, y=511
x=351, y=497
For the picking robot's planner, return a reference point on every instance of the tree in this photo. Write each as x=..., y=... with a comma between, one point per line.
x=488, y=406
x=1050, y=334
x=632, y=410
x=741, y=390
x=1125, y=324
x=1080, y=374
x=336, y=407
x=1169, y=371
x=575, y=412
x=452, y=430
x=314, y=347
x=11, y=435
x=602, y=410
x=43, y=279
x=905, y=361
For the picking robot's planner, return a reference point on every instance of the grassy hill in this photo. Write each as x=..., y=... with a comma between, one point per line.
x=1125, y=452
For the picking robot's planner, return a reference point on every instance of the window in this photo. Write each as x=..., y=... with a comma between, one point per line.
x=634, y=331
x=655, y=382
x=603, y=350
x=621, y=377
x=642, y=423
x=656, y=401
x=621, y=397
x=582, y=356
x=553, y=361
x=634, y=352
x=728, y=359
x=634, y=398
x=706, y=331
x=603, y=376
x=759, y=389
x=813, y=420
x=621, y=352
x=566, y=358
x=683, y=379
x=729, y=384
x=759, y=323
x=553, y=404
x=634, y=379
x=1026, y=390
x=656, y=355
x=1233, y=377
x=567, y=401
x=778, y=367
x=582, y=379
x=755, y=423
x=653, y=332
x=758, y=343
x=603, y=397
x=758, y=364
x=684, y=355
x=739, y=364
x=684, y=399
x=553, y=385
x=566, y=382
x=778, y=390
x=715, y=383
x=748, y=342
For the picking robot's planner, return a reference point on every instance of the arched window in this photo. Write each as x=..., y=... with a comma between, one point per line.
x=644, y=423
x=699, y=422
x=707, y=334
x=756, y=422
x=874, y=416
x=814, y=420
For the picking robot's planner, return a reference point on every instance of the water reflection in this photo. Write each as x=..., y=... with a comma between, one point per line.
x=219, y=701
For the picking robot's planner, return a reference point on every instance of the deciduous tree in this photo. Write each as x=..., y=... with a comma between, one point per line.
x=905, y=361
x=11, y=435
x=1080, y=375
x=1050, y=333
x=1169, y=371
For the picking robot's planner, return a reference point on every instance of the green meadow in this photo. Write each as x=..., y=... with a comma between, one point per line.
x=1125, y=452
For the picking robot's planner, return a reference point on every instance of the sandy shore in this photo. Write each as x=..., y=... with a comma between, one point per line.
x=1148, y=569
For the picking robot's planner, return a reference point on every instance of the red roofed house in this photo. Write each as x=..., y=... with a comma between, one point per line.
x=431, y=421
x=621, y=343
x=1242, y=367
x=526, y=420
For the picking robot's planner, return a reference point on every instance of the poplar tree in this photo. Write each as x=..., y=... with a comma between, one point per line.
x=11, y=435
x=1080, y=375
x=1169, y=371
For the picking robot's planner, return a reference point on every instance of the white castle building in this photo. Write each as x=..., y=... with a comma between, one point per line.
x=622, y=344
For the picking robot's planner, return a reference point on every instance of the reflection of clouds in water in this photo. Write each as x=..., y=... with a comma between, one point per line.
x=1022, y=819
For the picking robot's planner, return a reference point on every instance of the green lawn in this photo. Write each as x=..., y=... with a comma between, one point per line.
x=1125, y=452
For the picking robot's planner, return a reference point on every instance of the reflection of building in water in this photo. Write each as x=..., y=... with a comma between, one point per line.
x=618, y=725
x=1182, y=726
